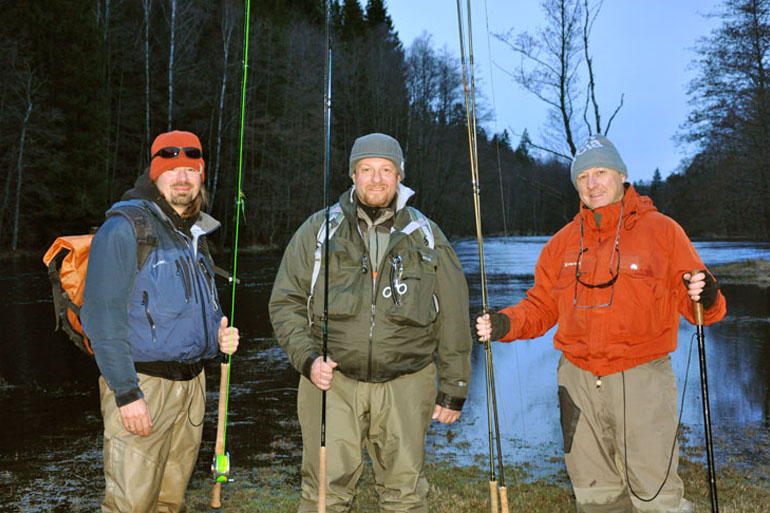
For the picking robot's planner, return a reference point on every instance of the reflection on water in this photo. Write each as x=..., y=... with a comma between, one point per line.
x=51, y=443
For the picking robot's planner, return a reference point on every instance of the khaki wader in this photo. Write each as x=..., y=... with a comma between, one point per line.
x=150, y=474
x=389, y=419
x=597, y=449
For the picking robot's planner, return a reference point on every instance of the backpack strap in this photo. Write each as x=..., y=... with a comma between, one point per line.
x=336, y=217
x=146, y=240
x=423, y=223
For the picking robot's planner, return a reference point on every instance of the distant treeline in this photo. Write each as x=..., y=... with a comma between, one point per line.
x=86, y=86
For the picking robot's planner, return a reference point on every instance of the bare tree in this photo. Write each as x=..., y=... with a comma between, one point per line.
x=550, y=66
x=590, y=13
x=183, y=19
x=228, y=24
x=147, y=5
x=29, y=88
x=172, y=42
x=434, y=85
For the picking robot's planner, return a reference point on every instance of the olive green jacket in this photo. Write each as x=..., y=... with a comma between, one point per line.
x=373, y=334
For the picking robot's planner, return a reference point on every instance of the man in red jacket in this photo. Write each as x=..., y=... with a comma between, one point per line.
x=615, y=279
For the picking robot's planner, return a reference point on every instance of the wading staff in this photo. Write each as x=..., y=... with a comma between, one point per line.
x=492, y=418
x=704, y=387
x=220, y=467
x=327, y=164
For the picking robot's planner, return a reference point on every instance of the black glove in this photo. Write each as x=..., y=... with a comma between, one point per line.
x=501, y=325
x=708, y=295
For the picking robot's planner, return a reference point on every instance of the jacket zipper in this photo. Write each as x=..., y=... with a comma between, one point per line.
x=202, y=302
x=193, y=275
x=371, y=326
x=146, y=303
x=212, y=285
x=183, y=276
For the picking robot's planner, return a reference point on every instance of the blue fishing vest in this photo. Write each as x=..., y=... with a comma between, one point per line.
x=174, y=310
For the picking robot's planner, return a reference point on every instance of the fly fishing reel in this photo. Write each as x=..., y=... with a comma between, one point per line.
x=220, y=467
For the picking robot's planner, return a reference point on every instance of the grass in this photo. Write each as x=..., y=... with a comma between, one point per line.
x=275, y=489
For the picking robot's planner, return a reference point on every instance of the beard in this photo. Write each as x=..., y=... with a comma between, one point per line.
x=191, y=203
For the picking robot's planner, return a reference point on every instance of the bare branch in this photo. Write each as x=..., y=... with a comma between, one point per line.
x=609, y=123
x=556, y=153
x=589, y=19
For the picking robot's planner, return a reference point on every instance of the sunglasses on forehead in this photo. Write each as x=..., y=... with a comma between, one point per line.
x=171, y=152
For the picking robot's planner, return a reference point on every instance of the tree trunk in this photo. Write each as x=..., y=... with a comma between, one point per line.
x=227, y=32
x=171, y=65
x=147, y=4
x=20, y=170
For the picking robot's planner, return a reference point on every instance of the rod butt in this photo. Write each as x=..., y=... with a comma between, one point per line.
x=503, y=499
x=216, y=503
x=322, y=482
x=493, y=504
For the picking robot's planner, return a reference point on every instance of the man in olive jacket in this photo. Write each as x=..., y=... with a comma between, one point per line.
x=397, y=316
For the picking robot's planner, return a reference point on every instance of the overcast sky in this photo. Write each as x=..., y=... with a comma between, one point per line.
x=640, y=49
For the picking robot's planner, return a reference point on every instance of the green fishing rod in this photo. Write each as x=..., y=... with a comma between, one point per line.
x=495, y=487
x=327, y=202
x=220, y=467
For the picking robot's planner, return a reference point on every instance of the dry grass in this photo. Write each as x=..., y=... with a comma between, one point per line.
x=466, y=490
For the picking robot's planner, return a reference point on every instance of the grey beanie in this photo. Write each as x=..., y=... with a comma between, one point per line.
x=377, y=145
x=597, y=151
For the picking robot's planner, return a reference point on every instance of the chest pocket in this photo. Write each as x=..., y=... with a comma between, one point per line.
x=346, y=282
x=168, y=285
x=408, y=284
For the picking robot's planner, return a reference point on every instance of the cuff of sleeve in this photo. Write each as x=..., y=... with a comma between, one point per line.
x=501, y=325
x=308, y=365
x=449, y=402
x=129, y=397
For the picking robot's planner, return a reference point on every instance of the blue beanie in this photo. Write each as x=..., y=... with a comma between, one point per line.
x=597, y=151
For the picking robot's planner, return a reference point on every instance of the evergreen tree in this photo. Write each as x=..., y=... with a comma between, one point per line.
x=377, y=15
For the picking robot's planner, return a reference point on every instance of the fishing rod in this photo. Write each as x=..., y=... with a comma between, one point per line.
x=327, y=165
x=492, y=417
x=220, y=467
x=699, y=322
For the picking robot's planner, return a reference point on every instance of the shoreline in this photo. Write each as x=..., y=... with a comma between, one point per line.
x=746, y=272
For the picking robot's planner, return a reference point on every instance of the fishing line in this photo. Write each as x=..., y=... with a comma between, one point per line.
x=494, y=117
x=676, y=433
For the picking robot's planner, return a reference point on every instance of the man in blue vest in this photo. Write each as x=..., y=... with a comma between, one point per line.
x=151, y=327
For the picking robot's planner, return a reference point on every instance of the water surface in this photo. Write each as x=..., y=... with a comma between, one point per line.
x=51, y=438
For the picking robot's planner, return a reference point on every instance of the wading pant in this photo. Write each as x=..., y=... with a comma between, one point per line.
x=390, y=419
x=150, y=474
x=611, y=465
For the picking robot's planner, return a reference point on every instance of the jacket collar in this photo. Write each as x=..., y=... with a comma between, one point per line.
x=348, y=202
x=632, y=204
x=145, y=189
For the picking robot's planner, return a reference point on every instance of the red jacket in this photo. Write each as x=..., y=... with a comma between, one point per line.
x=641, y=323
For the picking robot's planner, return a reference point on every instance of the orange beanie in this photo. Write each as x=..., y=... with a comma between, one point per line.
x=175, y=139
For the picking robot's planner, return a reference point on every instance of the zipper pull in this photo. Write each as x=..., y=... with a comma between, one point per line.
x=364, y=262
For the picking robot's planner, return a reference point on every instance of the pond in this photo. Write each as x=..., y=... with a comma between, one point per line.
x=50, y=442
